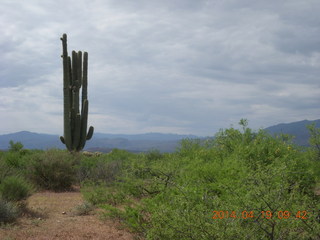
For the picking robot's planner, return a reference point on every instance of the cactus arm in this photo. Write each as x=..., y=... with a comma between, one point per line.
x=85, y=103
x=79, y=73
x=74, y=67
x=70, y=75
x=85, y=77
x=62, y=140
x=90, y=133
x=84, y=123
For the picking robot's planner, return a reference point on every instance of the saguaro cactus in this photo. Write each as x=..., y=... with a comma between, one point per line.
x=75, y=76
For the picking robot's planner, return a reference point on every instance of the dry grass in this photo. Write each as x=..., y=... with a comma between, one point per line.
x=51, y=216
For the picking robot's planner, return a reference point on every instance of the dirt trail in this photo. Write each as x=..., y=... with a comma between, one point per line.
x=52, y=217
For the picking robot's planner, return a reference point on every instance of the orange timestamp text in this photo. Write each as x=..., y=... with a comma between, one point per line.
x=260, y=214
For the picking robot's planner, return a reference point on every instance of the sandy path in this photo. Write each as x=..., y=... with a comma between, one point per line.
x=53, y=218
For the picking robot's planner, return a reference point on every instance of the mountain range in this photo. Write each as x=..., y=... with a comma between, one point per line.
x=296, y=129
x=141, y=142
x=100, y=141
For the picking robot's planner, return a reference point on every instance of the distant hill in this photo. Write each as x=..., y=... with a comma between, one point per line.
x=140, y=142
x=31, y=140
x=100, y=141
x=145, y=136
x=297, y=129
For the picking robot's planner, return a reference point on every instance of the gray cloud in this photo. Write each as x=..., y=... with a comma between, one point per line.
x=168, y=66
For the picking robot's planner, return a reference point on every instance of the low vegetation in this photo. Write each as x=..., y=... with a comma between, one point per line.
x=240, y=185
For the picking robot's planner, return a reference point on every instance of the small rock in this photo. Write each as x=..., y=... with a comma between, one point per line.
x=64, y=213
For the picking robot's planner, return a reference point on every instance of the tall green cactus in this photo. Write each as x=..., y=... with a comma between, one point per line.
x=75, y=76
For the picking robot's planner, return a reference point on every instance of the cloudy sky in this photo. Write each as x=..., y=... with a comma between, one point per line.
x=170, y=66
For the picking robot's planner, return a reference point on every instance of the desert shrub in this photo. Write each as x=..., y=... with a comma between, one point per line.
x=83, y=209
x=184, y=210
x=98, y=169
x=240, y=171
x=52, y=169
x=15, y=160
x=15, y=188
x=154, y=155
x=106, y=167
x=188, y=147
x=85, y=168
x=5, y=170
x=15, y=146
x=138, y=179
x=8, y=212
x=133, y=218
x=98, y=193
x=118, y=154
x=314, y=141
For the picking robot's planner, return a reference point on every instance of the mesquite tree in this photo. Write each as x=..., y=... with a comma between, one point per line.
x=75, y=76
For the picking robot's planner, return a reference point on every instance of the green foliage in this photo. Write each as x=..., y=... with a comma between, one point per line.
x=8, y=212
x=315, y=140
x=83, y=209
x=189, y=146
x=52, y=169
x=239, y=171
x=105, y=168
x=98, y=193
x=98, y=169
x=154, y=155
x=5, y=170
x=195, y=192
x=244, y=123
x=134, y=218
x=119, y=155
x=14, y=188
x=15, y=160
x=15, y=147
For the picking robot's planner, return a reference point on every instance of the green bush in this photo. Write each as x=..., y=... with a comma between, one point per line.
x=240, y=171
x=314, y=140
x=83, y=209
x=15, y=147
x=154, y=155
x=5, y=170
x=119, y=155
x=104, y=168
x=14, y=160
x=99, y=193
x=98, y=169
x=132, y=217
x=53, y=170
x=8, y=212
x=14, y=188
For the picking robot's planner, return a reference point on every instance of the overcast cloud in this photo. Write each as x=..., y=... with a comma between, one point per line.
x=171, y=66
